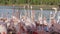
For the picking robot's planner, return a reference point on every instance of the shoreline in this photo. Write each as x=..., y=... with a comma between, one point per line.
x=35, y=6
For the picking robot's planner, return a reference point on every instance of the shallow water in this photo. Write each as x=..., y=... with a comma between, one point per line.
x=7, y=11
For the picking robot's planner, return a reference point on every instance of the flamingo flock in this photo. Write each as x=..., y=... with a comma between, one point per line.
x=27, y=25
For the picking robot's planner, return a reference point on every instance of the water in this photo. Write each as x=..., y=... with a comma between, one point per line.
x=7, y=11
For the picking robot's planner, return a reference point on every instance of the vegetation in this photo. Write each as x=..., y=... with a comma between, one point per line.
x=32, y=2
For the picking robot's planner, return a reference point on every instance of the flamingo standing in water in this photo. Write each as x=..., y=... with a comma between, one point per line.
x=53, y=16
x=40, y=16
